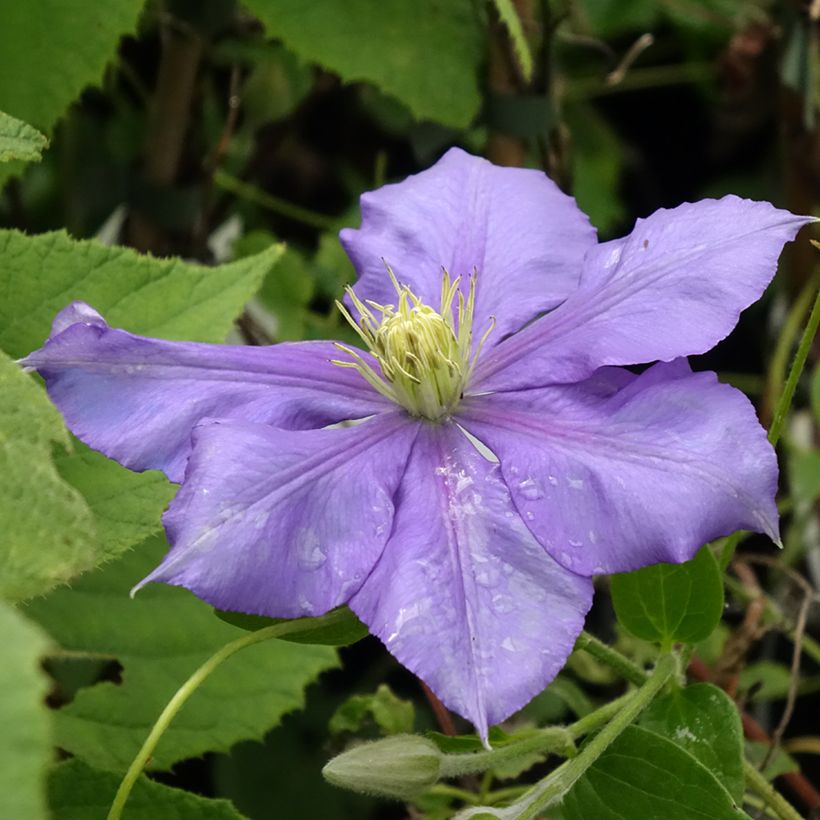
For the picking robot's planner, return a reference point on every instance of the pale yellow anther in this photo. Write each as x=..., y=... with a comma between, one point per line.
x=425, y=356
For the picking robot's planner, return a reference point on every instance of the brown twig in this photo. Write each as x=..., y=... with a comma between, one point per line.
x=443, y=717
x=809, y=595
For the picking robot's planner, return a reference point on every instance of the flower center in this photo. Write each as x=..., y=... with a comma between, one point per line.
x=425, y=356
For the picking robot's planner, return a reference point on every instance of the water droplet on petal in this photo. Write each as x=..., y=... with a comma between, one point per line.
x=531, y=489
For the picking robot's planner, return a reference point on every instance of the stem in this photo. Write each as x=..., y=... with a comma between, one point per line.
x=192, y=684
x=552, y=739
x=782, y=408
x=228, y=182
x=611, y=657
x=564, y=778
x=771, y=797
x=798, y=363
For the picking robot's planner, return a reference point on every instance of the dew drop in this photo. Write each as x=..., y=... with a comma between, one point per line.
x=531, y=489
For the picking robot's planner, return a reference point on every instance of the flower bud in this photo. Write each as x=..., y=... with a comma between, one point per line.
x=401, y=766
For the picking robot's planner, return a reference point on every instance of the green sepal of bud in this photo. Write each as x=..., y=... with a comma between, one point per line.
x=401, y=766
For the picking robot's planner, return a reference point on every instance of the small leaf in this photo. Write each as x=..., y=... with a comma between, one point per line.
x=512, y=22
x=48, y=530
x=426, y=53
x=78, y=792
x=341, y=633
x=168, y=298
x=20, y=141
x=779, y=763
x=25, y=740
x=391, y=714
x=704, y=721
x=643, y=775
x=160, y=638
x=671, y=602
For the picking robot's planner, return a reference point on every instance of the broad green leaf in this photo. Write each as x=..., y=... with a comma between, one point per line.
x=127, y=506
x=78, y=792
x=25, y=739
x=345, y=632
x=168, y=298
x=48, y=530
x=427, y=53
x=160, y=638
x=18, y=140
x=671, y=602
x=643, y=776
x=391, y=714
x=50, y=50
x=703, y=720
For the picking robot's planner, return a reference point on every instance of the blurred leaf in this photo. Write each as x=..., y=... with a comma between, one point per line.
x=286, y=292
x=704, y=721
x=50, y=50
x=168, y=298
x=655, y=778
x=78, y=792
x=160, y=638
x=391, y=714
x=20, y=141
x=609, y=18
x=426, y=53
x=25, y=742
x=597, y=161
x=772, y=680
x=508, y=15
x=804, y=475
x=671, y=602
x=780, y=762
x=341, y=633
x=127, y=506
x=48, y=530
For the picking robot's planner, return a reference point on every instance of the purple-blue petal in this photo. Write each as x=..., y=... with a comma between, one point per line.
x=284, y=523
x=463, y=595
x=611, y=480
x=674, y=287
x=137, y=399
x=524, y=237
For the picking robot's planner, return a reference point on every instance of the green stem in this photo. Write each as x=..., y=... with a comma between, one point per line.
x=192, y=684
x=798, y=363
x=771, y=797
x=564, y=777
x=782, y=408
x=553, y=739
x=251, y=193
x=611, y=657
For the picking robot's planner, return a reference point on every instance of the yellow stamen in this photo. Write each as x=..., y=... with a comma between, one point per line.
x=424, y=355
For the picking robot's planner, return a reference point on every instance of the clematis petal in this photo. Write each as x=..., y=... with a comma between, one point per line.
x=674, y=287
x=463, y=595
x=524, y=237
x=610, y=480
x=284, y=523
x=137, y=399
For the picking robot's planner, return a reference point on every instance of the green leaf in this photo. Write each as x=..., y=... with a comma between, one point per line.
x=48, y=530
x=779, y=763
x=50, y=50
x=127, y=506
x=772, y=680
x=25, y=740
x=391, y=714
x=160, y=638
x=671, y=602
x=643, y=776
x=19, y=140
x=512, y=22
x=703, y=720
x=426, y=53
x=342, y=633
x=78, y=792
x=168, y=298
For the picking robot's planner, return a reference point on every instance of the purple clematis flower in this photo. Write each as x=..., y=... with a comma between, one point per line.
x=502, y=456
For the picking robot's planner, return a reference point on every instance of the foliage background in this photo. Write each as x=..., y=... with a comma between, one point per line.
x=216, y=132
